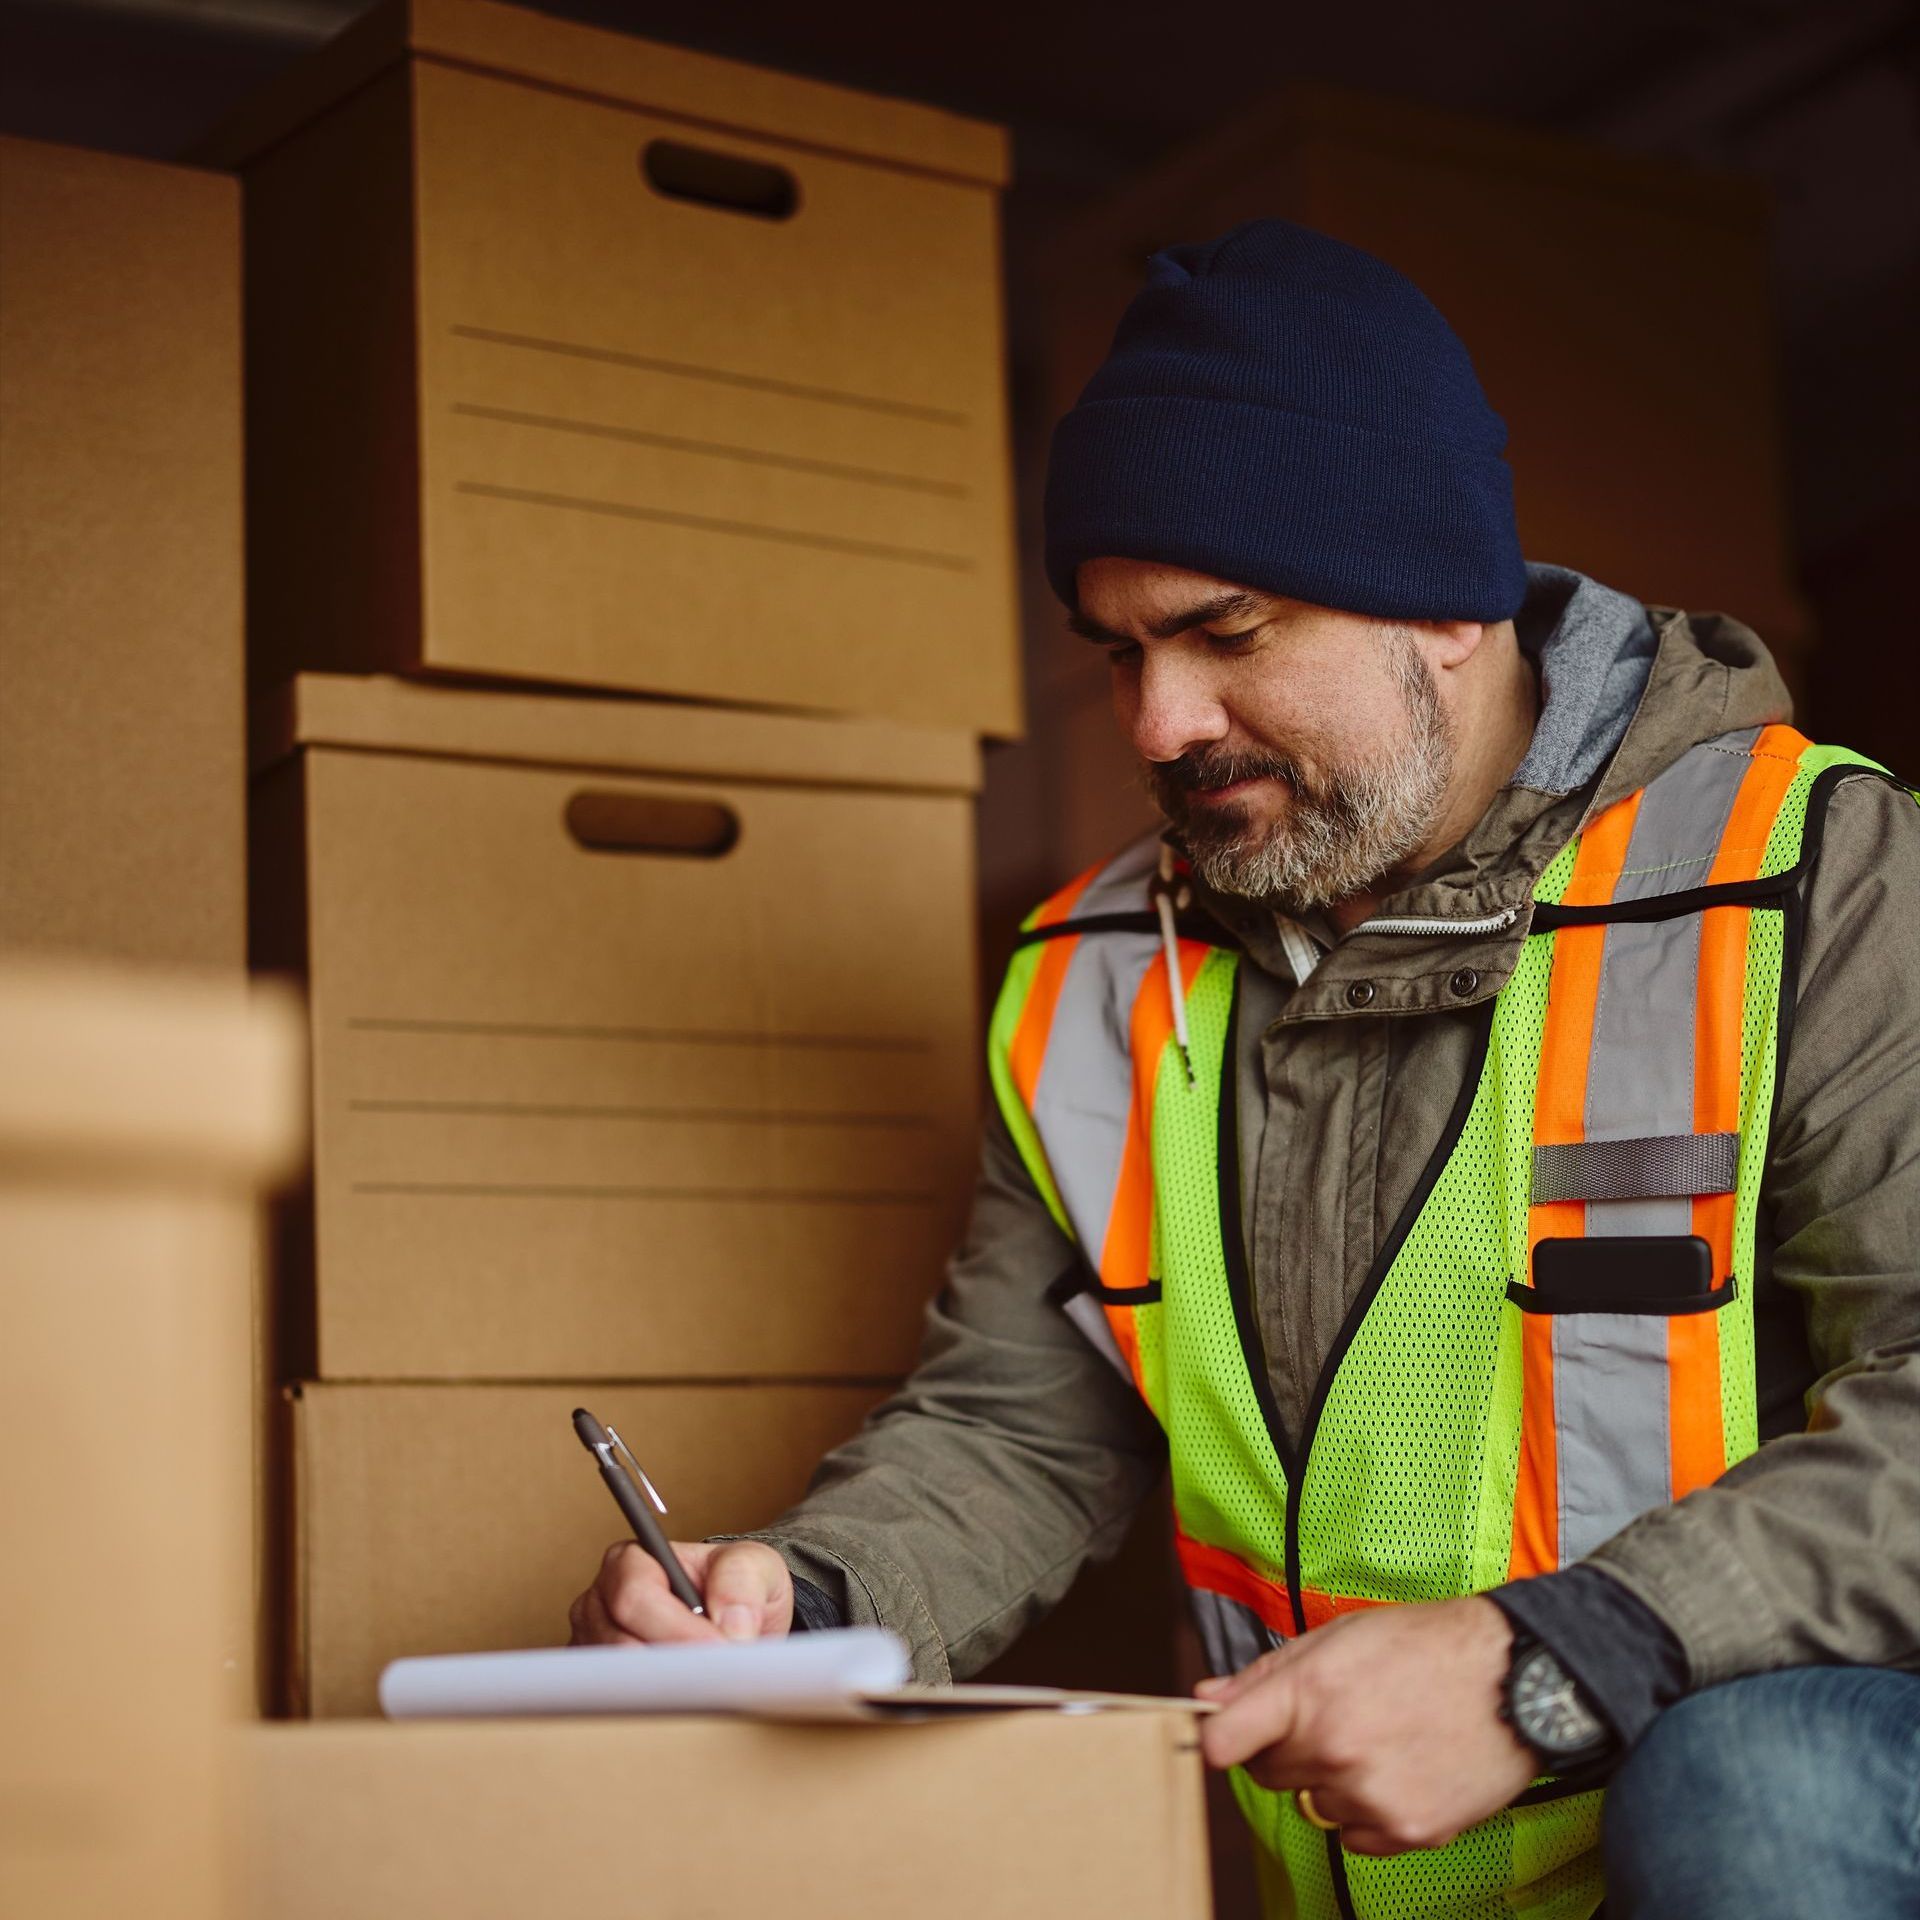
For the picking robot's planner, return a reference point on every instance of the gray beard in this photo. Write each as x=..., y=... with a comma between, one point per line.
x=1339, y=836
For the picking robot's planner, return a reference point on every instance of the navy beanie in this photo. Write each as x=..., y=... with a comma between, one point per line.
x=1286, y=412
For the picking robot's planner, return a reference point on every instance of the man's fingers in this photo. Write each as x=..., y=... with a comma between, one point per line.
x=591, y=1625
x=744, y=1588
x=1229, y=1686
x=633, y=1591
x=1373, y=1841
x=1259, y=1712
x=748, y=1592
x=1281, y=1768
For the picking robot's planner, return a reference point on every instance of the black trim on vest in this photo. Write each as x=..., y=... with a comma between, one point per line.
x=1208, y=932
x=1079, y=1279
x=1233, y=1246
x=1066, y=1284
x=1825, y=783
x=1812, y=836
x=1770, y=890
x=1589, y=1779
x=1781, y=1351
x=1376, y=1278
x=1532, y=1300
x=1563, y=1789
x=1337, y=1862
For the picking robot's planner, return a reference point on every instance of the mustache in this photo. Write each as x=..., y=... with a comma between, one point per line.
x=1207, y=770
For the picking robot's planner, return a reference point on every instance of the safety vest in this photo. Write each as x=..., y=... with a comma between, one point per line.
x=1464, y=1430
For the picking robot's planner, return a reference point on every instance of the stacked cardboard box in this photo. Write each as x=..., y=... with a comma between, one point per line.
x=627, y=1069
x=122, y=739
x=576, y=358
x=643, y=1012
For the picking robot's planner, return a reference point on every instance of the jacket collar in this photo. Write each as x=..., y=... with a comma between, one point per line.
x=1626, y=691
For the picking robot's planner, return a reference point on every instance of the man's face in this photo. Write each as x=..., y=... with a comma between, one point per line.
x=1300, y=753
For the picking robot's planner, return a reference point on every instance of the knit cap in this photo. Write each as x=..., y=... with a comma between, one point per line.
x=1287, y=412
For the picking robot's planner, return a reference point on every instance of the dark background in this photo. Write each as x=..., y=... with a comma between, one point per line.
x=1821, y=101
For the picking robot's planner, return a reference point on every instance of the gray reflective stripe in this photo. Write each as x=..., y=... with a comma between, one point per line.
x=1085, y=1089
x=1085, y=1092
x=1643, y=1169
x=1610, y=1382
x=1640, y=1072
x=1682, y=817
x=1610, y=1412
x=1121, y=885
x=1609, y=1372
x=1086, y=1314
x=1231, y=1635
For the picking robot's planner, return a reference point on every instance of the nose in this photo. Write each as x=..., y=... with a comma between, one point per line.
x=1171, y=706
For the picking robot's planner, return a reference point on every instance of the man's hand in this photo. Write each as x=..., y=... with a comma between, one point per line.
x=1391, y=1716
x=743, y=1583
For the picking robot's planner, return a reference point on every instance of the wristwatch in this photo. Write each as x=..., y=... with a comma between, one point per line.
x=1543, y=1704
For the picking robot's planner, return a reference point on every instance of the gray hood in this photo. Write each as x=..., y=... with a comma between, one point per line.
x=1594, y=648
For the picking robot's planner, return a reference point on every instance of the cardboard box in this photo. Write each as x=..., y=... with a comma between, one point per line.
x=577, y=358
x=137, y=1116
x=122, y=716
x=122, y=732
x=1021, y=1816
x=644, y=1035
x=1617, y=306
x=453, y=1519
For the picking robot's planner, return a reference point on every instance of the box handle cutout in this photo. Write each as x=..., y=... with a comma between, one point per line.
x=722, y=180
x=603, y=821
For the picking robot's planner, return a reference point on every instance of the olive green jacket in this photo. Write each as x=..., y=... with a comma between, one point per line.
x=1015, y=1453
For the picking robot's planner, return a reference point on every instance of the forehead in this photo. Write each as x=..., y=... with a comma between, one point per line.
x=1146, y=598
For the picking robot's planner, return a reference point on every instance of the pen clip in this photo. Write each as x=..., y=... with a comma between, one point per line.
x=639, y=1472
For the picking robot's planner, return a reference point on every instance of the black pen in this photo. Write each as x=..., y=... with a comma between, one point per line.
x=609, y=1449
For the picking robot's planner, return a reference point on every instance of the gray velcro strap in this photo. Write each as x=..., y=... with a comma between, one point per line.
x=1661, y=1167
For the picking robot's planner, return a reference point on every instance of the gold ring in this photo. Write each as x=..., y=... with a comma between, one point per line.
x=1303, y=1799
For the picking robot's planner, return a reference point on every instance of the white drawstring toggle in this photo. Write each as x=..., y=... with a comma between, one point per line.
x=1165, y=902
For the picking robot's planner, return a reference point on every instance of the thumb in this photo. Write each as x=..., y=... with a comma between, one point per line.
x=748, y=1593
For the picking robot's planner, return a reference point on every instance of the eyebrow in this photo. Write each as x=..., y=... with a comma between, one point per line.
x=1220, y=606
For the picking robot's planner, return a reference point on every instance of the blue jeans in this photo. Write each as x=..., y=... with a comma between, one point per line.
x=1785, y=1796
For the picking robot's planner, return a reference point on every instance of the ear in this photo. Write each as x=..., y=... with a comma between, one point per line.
x=1449, y=643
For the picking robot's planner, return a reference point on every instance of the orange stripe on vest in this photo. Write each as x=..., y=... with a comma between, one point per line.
x=1573, y=995
x=1695, y=1424
x=1126, y=1258
x=1218, y=1571
x=1028, y=1051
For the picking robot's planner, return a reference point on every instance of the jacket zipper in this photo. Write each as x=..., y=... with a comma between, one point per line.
x=1415, y=924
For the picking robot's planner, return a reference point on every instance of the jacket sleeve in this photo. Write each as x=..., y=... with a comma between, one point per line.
x=1808, y=1551
x=1014, y=1454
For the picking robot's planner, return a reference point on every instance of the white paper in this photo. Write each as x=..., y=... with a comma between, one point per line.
x=806, y=1675
x=843, y=1674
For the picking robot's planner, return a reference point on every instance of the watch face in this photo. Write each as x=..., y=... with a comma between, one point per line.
x=1547, y=1708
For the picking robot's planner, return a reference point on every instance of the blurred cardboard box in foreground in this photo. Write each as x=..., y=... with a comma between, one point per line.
x=139, y=1114
x=1020, y=1816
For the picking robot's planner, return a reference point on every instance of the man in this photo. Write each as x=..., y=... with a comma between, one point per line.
x=1480, y=1148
